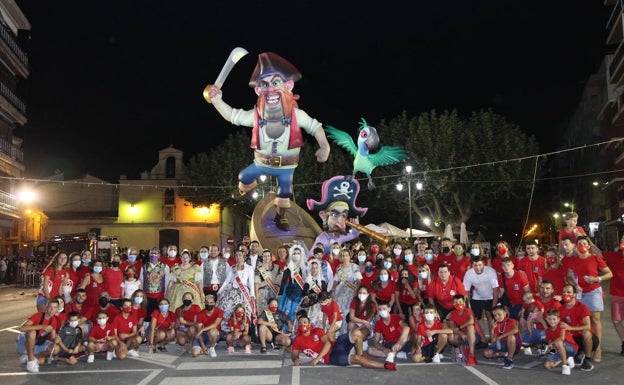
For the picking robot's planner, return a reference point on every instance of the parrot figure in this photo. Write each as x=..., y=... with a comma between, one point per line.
x=368, y=140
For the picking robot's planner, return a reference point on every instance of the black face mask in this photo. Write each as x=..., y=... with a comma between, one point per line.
x=209, y=307
x=103, y=301
x=187, y=302
x=115, y=263
x=446, y=250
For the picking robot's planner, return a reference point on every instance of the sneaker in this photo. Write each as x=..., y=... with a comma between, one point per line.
x=90, y=358
x=565, y=370
x=32, y=366
x=23, y=359
x=401, y=355
x=579, y=358
x=587, y=366
x=212, y=352
x=528, y=351
x=247, y=349
x=508, y=364
x=230, y=349
x=622, y=351
x=110, y=355
x=390, y=366
x=436, y=359
x=472, y=360
x=133, y=353
x=571, y=363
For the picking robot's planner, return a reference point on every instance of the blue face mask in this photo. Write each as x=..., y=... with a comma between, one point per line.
x=131, y=258
x=409, y=258
x=203, y=255
x=97, y=269
x=163, y=308
x=429, y=257
x=86, y=262
x=368, y=269
x=383, y=278
x=383, y=313
x=423, y=274
x=387, y=265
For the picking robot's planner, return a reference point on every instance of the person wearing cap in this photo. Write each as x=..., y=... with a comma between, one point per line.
x=276, y=135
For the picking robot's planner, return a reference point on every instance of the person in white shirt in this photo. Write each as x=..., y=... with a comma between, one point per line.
x=481, y=283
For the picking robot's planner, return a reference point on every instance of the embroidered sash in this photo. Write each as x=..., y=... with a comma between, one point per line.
x=267, y=278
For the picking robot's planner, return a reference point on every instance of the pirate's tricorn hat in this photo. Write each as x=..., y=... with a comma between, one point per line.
x=339, y=188
x=270, y=63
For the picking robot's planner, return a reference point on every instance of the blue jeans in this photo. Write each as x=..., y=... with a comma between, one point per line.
x=284, y=177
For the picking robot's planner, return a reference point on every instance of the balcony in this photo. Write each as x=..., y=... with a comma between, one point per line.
x=616, y=67
x=614, y=25
x=9, y=150
x=14, y=109
x=7, y=37
x=9, y=205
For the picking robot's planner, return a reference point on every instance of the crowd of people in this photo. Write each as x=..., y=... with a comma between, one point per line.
x=351, y=305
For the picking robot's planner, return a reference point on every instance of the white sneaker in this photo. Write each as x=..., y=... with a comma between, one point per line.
x=212, y=352
x=571, y=363
x=565, y=370
x=32, y=366
x=110, y=355
x=528, y=351
x=436, y=359
x=91, y=358
x=23, y=359
x=401, y=355
x=133, y=353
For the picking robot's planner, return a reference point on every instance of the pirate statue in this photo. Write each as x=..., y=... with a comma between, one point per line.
x=336, y=206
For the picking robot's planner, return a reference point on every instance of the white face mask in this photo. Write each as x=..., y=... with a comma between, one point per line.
x=475, y=252
x=226, y=255
x=383, y=313
x=429, y=317
x=73, y=324
x=296, y=257
x=76, y=264
x=172, y=253
x=102, y=321
x=409, y=258
x=335, y=251
x=397, y=252
x=423, y=274
x=362, y=258
x=97, y=269
x=362, y=297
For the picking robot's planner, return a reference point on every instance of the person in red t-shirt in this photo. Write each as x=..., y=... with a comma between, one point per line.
x=431, y=337
x=561, y=340
x=384, y=288
x=314, y=343
x=208, y=328
x=464, y=326
x=362, y=312
x=505, y=340
x=37, y=333
x=332, y=316
x=406, y=292
x=369, y=274
x=132, y=260
x=575, y=317
x=186, y=328
x=443, y=290
x=555, y=272
x=513, y=284
x=162, y=326
x=104, y=305
x=126, y=329
x=532, y=330
x=239, y=324
x=425, y=278
x=502, y=251
x=54, y=277
x=113, y=278
x=416, y=317
x=393, y=331
x=615, y=261
x=533, y=265
x=102, y=338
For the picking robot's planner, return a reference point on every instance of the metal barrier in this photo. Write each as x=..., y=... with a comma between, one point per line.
x=30, y=276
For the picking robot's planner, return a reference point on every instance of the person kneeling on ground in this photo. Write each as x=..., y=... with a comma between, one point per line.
x=272, y=326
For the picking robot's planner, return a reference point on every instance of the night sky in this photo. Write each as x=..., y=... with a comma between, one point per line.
x=112, y=82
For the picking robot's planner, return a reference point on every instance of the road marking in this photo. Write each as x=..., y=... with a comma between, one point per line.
x=72, y=372
x=296, y=376
x=150, y=360
x=149, y=378
x=482, y=376
x=230, y=380
x=229, y=365
x=14, y=329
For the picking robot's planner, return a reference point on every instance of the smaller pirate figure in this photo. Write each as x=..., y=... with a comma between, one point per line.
x=336, y=206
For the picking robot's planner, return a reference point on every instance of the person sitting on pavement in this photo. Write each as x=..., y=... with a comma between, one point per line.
x=186, y=328
x=561, y=341
x=126, y=329
x=532, y=331
x=162, y=326
x=69, y=340
x=393, y=331
x=332, y=316
x=505, y=338
x=102, y=338
x=37, y=333
x=208, y=328
x=362, y=312
x=346, y=350
x=431, y=337
x=239, y=324
x=273, y=326
x=465, y=327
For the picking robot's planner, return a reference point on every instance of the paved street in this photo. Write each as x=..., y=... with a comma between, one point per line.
x=178, y=367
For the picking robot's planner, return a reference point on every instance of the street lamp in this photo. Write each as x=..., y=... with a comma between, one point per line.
x=399, y=186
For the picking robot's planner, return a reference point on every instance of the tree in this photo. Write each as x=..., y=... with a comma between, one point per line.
x=458, y=161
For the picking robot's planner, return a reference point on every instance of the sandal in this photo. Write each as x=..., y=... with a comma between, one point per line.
x=263, y=349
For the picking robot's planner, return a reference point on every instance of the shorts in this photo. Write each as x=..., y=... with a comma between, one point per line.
x=480, y=306
x=407, y=348
x=205, y=337
x=341, y=351
x=20, y=345
x=593, y=300
x=617, y=308
x=430, y=350
x=536, y=338
x=570, y=352
x=579, y=341
x=503, y=347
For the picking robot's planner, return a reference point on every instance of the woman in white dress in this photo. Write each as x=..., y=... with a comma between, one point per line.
x=237, y=288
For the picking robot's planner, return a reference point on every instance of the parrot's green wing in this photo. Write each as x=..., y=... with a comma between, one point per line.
x=342, y=139
x=388, y=155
